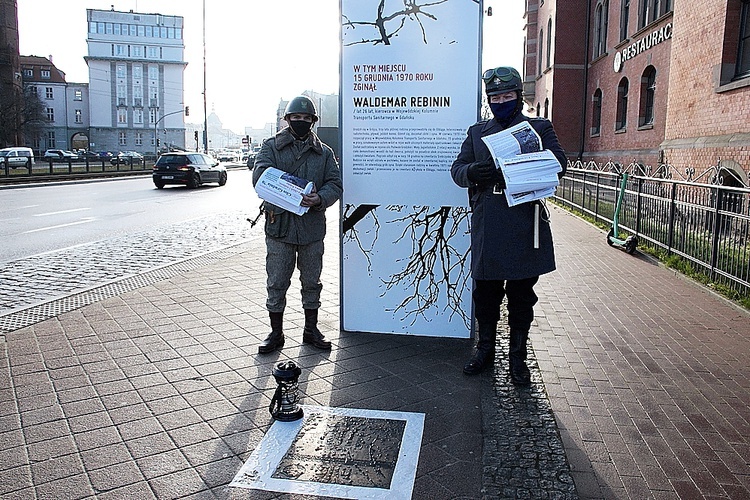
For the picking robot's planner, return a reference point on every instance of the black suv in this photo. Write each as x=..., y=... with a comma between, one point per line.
x=190, y=169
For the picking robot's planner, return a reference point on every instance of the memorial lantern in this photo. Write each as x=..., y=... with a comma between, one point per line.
x=284, y=404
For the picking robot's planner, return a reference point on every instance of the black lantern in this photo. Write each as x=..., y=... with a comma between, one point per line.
x=284, y=405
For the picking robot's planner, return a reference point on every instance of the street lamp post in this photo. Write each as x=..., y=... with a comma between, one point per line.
x=156, y=124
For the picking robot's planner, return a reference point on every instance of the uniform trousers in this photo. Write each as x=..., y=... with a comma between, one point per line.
x=281, y=259
x=489, y=294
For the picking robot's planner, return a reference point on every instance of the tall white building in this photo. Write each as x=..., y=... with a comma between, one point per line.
x=136, y=71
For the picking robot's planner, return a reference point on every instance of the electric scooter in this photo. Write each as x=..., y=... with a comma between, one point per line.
x=630, y=243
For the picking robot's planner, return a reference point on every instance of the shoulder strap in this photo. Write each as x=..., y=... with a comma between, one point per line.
x=297, y=164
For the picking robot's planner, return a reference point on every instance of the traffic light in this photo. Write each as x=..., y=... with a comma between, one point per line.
x=158, y=142
x=196, y=135
x=187, y=110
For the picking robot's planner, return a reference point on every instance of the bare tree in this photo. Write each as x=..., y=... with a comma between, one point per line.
x=433, y=268
x=21, y=115
x=382, y=25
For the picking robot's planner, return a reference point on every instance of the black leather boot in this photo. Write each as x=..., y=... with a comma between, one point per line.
x=519, y=372
x=311, y=335
x=275, y=339
x=484, y=353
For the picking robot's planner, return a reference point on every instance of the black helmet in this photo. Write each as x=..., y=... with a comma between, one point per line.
x=301, y=104
x=501, y=80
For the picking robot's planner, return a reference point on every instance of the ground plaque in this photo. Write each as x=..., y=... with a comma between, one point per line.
x=339, y=452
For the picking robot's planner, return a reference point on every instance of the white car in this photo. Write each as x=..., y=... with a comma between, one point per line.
x=16, y=157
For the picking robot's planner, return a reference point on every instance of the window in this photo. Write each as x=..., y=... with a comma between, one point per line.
x=137, y=51
x=137, y=71
x=50, y=114
x=152, y=115
x=538, y=109
x=600, y=28
x=133, y=30
x=596, y=113
x=34, y=90
x=28, y=73
x=117, y=29
x=122, y=116
x=139, y=139
x=141, y=30
x=539, y=53
x=648, y=90
x=51, y=141
x=621, y=119
x=651, y=10
x=549, y=42
x=45, y=74
x=149, y=32
x=77, y=95
x=79, y=116
x=546, y=108
x=624, y=14
x=123, y=139
x=108, y=27
x=120, y=51
x=153, y=53
x=153, y=73
x=48, y=93
x=743, y=54
x=138, y=116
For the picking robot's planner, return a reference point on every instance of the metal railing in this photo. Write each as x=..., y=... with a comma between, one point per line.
x=706, y=224
x=48, y=166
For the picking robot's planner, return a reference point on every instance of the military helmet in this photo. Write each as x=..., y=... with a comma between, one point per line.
x=502, y=79
x=301, y=104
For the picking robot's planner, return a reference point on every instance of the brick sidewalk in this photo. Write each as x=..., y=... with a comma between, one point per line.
x=159, y=392
x=646, y=371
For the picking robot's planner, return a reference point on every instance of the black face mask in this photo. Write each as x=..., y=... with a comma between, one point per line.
x=300, y=128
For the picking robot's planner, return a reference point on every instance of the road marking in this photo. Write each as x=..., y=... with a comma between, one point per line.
x=63, y=212
x=82, y=221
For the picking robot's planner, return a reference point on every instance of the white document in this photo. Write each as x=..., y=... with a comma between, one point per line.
x=283, y=189
x=516, y=140
x=530, y=172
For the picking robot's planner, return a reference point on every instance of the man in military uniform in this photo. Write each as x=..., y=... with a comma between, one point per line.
x=292, y=238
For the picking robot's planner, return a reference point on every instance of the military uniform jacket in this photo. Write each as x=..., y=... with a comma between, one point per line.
x=502, y=237
x=282, y=151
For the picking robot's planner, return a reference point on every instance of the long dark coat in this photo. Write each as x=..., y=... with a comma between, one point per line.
x=502, y=237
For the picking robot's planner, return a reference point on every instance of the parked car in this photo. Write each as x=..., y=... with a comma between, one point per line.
x=105, y=155
x=16, y=157
x=125, y=157
x=88, y=155
x=188, y=169
x=60, y=155
x=226, y=156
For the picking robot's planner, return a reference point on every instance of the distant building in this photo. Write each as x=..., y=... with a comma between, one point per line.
x=65, y=106
x=136, y=71
x=643, y=81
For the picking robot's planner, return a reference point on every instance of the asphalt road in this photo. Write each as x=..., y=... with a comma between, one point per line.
x=66, y=238
x=39, y=219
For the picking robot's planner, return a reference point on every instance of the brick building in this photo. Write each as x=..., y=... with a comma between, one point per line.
x=651, y=81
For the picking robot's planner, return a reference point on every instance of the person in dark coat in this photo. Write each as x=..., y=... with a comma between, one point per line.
x=297, y=239
x=504, y=259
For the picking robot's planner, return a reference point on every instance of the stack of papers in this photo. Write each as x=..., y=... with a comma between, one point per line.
x=530, y=172
x=283, y=189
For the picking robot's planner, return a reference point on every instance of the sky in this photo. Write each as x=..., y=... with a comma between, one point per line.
x=257, y=51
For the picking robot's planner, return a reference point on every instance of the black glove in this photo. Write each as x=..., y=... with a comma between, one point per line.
x=500, y=179
x=482, y=172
